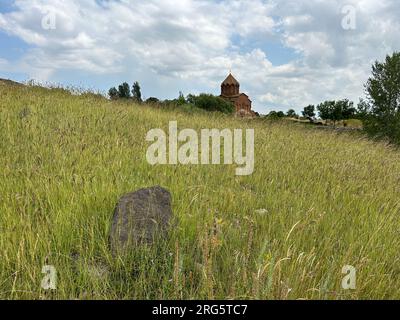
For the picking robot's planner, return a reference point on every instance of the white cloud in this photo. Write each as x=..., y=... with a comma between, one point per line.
x=196, y=42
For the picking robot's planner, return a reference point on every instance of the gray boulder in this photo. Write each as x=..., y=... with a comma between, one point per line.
x=140, y=218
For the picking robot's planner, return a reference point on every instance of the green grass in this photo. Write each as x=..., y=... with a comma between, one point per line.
x=354, y=123
x=330, y=200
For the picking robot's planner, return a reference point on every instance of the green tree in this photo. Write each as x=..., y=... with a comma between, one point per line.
x=113, y=93
x=291, y=114
x=275, y=115
x=326, y=110
x=136, y=92
x=383, y=99
x=124, y=91
x=336, y=110
x=181, y=99
x=309, y=112
x=363, y=109
x=191, y=98
x=346, y=109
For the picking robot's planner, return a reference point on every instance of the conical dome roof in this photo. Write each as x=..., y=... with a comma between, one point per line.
x=230, y=80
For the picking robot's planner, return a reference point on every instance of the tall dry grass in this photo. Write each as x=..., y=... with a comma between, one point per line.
x=327, y=200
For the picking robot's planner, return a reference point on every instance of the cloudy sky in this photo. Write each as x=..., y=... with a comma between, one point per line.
x=286, y=53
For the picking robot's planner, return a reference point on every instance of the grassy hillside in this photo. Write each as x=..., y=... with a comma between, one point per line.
x=329, y=200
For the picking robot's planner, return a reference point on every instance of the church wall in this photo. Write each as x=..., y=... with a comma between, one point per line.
x=243, y=103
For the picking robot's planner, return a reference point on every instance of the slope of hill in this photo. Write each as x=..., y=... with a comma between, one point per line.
x=6, y=82
x=316, y=202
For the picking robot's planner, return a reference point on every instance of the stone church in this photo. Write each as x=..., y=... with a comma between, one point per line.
x=230, y=91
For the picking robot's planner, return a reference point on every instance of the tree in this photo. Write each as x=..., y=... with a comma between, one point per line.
x=346, y=109
x=383, y=99
x=273, y=115
x=363, y=109
x=309, y=112
x=191, y=98
x=336, y=110
x=124, y=91
x=113, y=93
x=291, y=114
x=326, y=110
x=280, y=114
x=136, y=92
x=276, y=115
x=181, y=99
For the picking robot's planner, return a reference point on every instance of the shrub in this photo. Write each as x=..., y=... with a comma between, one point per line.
x=210, y=102
x=152, y=100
